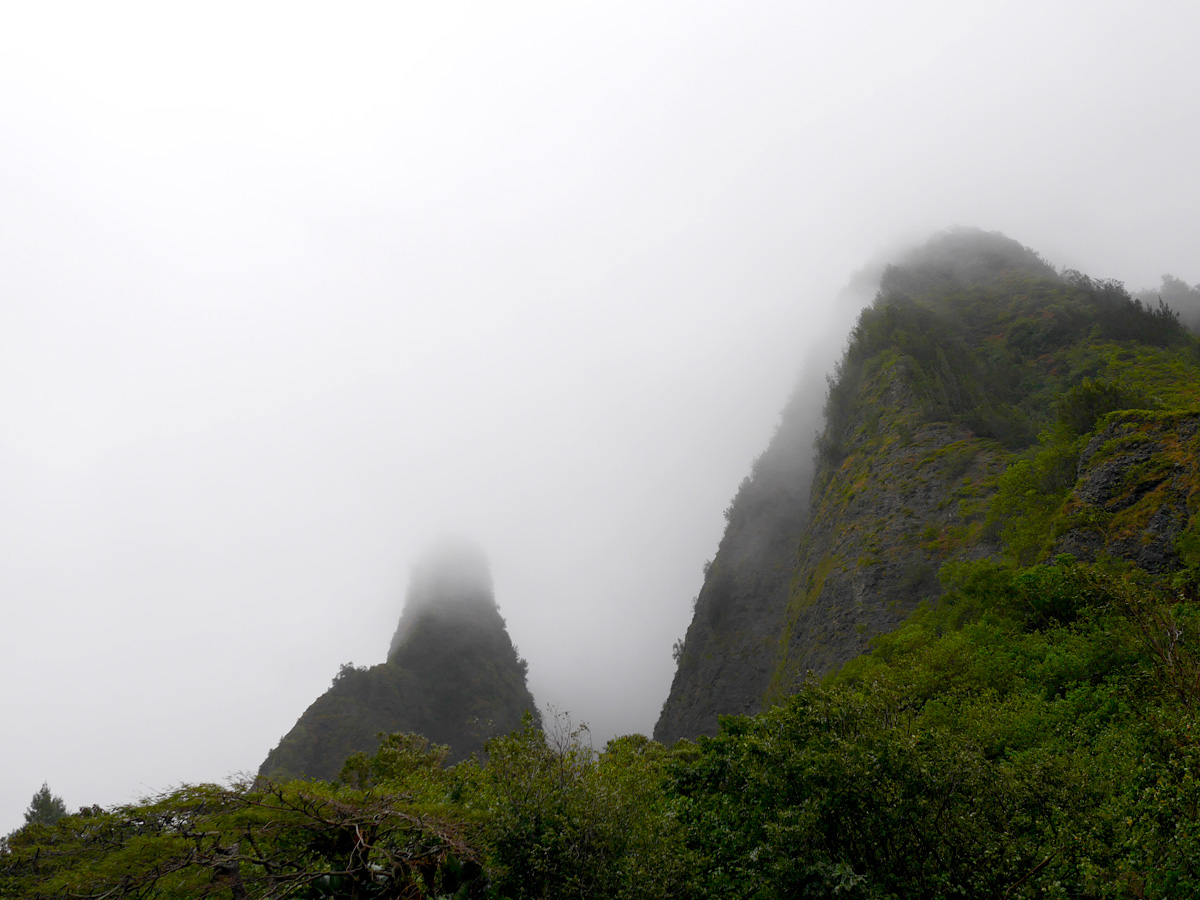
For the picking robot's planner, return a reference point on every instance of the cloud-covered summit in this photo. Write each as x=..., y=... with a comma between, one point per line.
x=452, y=674
x=451, y=579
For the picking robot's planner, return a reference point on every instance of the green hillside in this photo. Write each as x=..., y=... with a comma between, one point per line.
x=976, y=358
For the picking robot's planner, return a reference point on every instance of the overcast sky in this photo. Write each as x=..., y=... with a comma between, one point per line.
x=288, y=290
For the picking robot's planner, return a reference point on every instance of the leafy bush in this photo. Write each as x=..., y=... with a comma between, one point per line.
x=1085, y=403
x=1121, y=317
x=398, y=838
x=564, y=821
x=1026, y=736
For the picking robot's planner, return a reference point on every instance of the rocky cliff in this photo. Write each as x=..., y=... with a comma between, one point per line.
x=452, y=675
x=728, y=655
x=980, y=383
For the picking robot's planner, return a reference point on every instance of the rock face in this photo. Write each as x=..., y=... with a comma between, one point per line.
x=964, y=357
x=452, y=675
x=904, y=500
x=729, y=651
x=1138, y=479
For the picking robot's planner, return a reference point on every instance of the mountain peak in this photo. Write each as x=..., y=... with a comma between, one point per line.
x=452, y=674
x=451, y=581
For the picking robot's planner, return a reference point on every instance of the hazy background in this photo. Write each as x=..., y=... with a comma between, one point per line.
x=287, y=290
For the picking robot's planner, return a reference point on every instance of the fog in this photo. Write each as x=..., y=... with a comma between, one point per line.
x=452, y=579
x=287, y=291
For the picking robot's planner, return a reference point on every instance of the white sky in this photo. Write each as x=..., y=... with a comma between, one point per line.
x=287, y=290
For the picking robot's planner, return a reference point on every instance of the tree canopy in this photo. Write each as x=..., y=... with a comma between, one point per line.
x=45, y=808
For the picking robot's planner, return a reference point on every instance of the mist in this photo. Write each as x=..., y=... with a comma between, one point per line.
x=286, y=293
x=452, y=578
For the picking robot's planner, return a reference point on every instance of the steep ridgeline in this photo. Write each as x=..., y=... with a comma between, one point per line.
x=729, y=652
x=979, y=389
x=452, y=675
x=728, y=655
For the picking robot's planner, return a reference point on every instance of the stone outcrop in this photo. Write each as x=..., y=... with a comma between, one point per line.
x=1138, y=477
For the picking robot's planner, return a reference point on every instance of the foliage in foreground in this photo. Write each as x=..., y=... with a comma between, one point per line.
x=1031, y=736
x=546, y=817
x=258, y=839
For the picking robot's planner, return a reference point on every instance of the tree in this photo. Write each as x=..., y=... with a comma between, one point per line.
x=45, y=808
x=395, y=835
x=565, y=821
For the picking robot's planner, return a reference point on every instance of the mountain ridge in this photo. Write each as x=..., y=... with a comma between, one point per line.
x=957, y=371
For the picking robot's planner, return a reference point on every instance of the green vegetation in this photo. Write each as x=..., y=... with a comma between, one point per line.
x=386, y=830
x=1180, y=297
x=1028, y=736
x=990, y=356
x=45, y=808
x=545, y=817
